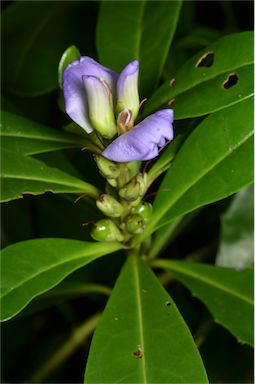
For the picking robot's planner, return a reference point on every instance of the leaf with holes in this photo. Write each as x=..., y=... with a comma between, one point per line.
x=214, y=162
x=34, y=266
x=24, y=175
x=237, y=232
x=142, y=337
x=227, y=293
x=127, y=32
x=216, y=77
x=28, y=137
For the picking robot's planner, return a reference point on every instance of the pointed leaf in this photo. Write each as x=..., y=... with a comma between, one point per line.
x=142, y=337
x=214, y=162
x=28, y=137
x=21, y=174
x=35, y=266
x=227, y=293
x=126, y=31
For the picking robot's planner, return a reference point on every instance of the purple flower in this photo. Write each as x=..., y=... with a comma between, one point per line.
x=92, y=92
x=144, y=140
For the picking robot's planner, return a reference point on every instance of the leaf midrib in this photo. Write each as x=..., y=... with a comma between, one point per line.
x=207, y=281
x=38, y=137
x=134, y=262
x=194, y=181
x=80, y=185
x=53, y=266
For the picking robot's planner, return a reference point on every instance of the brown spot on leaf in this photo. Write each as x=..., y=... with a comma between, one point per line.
x=168, y=303
x=172, y=82
x=138, y=354
x=231, y=80
x=172, y=102
x=206, y=60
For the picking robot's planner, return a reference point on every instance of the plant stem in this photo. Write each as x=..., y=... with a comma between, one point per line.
x=76, y=339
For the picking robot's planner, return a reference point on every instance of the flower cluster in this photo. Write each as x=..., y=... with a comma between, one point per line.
x=97, y=98
x=100, y=100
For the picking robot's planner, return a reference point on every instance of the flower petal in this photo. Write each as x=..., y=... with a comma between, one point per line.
x=74, y=91
x=100, y=106
x=143, y=141
x=127, y=89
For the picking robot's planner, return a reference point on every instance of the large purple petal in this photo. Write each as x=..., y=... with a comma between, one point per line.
x=74, y=91
x=143, y=141
x=127, y=89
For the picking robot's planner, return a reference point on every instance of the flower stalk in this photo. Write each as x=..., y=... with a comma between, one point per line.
x=106, y=105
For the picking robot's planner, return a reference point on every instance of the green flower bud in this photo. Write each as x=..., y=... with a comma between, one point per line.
x=133, y=168
x=106, y=230
x=112, y=182
x=109, y=206
x=100, y=106
x=135, y=224
x=107, y=168
x=144, y=210
x=135, y=188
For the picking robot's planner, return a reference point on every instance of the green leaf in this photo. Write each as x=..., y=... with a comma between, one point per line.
x=72, y=53
x=237, y=232
x=212, y=96
x=35, y=34
x=126, y=31
x=207, y=81
x=34, y=266
x=142, y=337
x=23, y=175
x=28, y=137
x=214, y=162
x=227, y=293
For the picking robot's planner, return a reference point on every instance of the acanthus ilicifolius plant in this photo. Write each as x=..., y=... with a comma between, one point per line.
x=106, y=106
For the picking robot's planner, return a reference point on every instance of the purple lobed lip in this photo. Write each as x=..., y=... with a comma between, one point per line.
x=144, y=140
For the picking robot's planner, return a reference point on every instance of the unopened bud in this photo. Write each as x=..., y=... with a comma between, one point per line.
x=135, y=224
x=135, y=188
x=108, y=168
x=109, y=206
x=100, y=106
x=144, y=210
x=112, y=182
x=127, y=89
x=106, y=230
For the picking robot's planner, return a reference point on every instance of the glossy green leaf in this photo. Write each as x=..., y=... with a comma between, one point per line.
x=227, y=293
x=28, y=137
x=212, y=96
x=203, y=80
x=72, y=53
x=164, y=160
x=34, y=266
x=23, y=175
x=35, y=34
x=142, y=337
x=126, y=31
x=237, y=232
x=214, y=162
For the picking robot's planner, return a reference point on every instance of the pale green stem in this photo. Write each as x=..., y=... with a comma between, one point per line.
x=163, y=239
x=153, y=175
x=68, y=348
